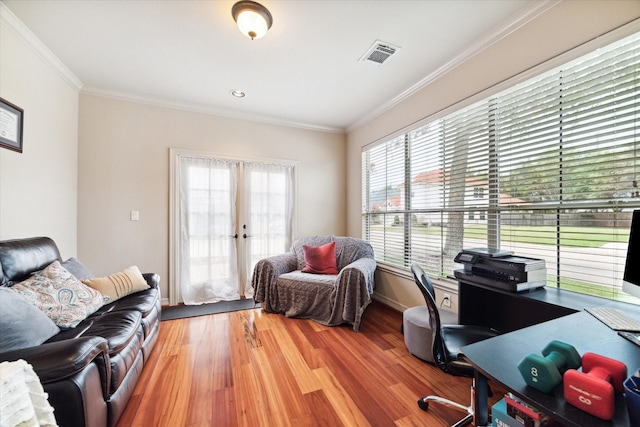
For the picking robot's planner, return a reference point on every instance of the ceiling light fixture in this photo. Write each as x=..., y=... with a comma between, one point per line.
x=238, y=93
x=253, y=19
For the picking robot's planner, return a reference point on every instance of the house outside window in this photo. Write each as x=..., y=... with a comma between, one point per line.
x=478, y=193
x=547, y=168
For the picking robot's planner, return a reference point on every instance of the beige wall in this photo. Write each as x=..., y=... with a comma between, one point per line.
x=560, y=29
x=123, y=165
x=38, y=187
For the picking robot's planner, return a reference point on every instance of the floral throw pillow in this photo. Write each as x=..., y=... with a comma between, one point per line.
x=59, y=295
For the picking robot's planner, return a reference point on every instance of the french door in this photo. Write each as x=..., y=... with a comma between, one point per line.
x=226, y=215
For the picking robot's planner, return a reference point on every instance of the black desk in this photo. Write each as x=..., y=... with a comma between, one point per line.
x=508, y=311
x=497, y=358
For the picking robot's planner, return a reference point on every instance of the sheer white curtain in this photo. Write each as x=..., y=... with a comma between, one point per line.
x=208, y=270
x=269, y=205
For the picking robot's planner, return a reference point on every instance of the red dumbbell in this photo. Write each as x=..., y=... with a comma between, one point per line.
x=593, y=389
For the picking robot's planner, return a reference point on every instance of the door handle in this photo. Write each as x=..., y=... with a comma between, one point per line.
x=235, y=236
x=245, y=235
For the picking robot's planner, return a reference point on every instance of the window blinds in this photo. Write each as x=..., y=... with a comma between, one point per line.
x=548, y=169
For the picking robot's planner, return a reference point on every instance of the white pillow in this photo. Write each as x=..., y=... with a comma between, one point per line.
x=59, y=295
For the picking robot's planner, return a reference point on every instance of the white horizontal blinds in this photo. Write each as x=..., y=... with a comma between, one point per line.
x=545, y=168
x=568, y=148
x=467, y=151
x=426, y=191
x=384, y=213
x=466, y=156
x=569, y=137
x=529, y=135
x=364, y=195
x=599, y=124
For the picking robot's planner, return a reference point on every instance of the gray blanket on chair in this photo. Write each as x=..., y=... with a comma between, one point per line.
x=328, y=299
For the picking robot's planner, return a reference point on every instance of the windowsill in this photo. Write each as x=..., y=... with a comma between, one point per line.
x=446, y=284
x=559, y=297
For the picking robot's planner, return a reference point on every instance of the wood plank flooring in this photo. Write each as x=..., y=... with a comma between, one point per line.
x=251, y=368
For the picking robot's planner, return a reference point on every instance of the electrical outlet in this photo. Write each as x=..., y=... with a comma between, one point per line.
x=446, y=300
x=135, y=215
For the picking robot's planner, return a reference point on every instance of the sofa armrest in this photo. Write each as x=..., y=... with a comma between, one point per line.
x=153, y=279
x=58, y=360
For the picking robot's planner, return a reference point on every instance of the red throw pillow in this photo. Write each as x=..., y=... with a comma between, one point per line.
x=320, y=259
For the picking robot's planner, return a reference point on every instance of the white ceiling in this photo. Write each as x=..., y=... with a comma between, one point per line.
x=304, y=72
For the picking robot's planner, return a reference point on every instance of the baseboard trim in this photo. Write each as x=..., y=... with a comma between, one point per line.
x=388, y=301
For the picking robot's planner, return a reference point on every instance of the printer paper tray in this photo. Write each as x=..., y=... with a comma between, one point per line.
x=497, y=284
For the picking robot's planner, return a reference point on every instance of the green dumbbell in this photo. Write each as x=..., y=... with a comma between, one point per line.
x=545, y=372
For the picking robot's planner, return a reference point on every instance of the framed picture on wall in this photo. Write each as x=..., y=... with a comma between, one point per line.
x=11, y=117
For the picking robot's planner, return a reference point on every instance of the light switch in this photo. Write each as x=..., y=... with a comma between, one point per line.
x=135, y=215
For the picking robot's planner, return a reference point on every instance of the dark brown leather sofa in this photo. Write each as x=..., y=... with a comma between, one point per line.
x=91, y=370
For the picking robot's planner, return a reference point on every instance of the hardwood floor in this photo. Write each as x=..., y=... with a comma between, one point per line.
x=251, y=368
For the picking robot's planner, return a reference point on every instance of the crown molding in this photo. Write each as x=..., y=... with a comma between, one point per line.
x=17, y=27
x=204, y=109
x=501, y=31
x=11, y=22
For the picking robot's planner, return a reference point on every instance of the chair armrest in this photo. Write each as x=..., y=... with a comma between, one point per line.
x=364, y=266
x=58, y=360
x=266, y=273
x=280, y=264
x=153, y=279
x=354, y=288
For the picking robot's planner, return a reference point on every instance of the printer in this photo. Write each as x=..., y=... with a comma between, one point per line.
x=501, y=269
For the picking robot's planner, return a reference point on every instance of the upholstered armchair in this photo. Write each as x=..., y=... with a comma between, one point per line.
x=305, y=283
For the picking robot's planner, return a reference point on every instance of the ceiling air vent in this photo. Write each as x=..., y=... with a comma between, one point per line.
x=379, y=53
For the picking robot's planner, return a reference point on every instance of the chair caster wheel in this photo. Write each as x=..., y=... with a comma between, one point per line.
x=423, y=404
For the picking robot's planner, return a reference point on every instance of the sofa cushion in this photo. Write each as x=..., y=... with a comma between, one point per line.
x=120, y=284
x=320, y=259
x=117, y=328
x=144, y=302
x=22, y=324
x=124, y=335
x=76, y=268
x=299, y=276
x=59, y=295
x=306, y=295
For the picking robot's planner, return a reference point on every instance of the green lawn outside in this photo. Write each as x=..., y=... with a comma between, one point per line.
x=585, y=237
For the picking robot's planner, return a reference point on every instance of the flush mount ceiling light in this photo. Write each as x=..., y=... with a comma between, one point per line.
x=238, y=93
x=253, y=19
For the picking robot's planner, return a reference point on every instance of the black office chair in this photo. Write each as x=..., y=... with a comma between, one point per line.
x=446, y=341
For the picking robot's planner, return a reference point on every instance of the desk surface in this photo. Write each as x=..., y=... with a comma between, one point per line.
x=497, y=359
